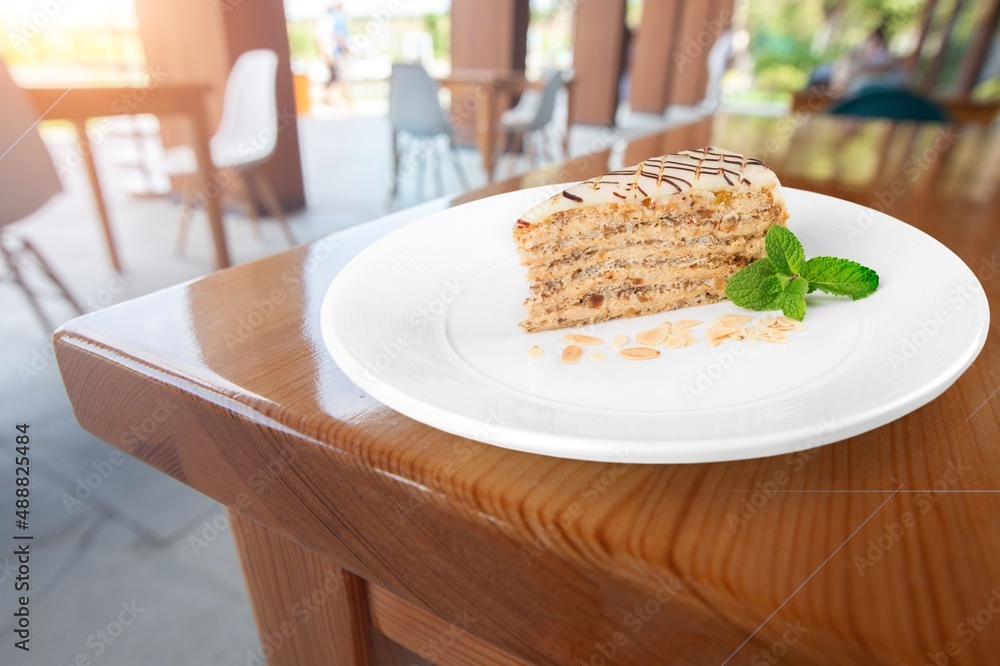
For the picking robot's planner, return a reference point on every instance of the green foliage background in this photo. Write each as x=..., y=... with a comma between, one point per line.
x=788, y=38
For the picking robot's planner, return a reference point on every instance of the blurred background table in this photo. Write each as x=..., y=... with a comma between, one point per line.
x=492, y=89
x=78, y=105
x=877, y=549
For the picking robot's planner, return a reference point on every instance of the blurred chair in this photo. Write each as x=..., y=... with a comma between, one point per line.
x=416, y=113
x=889, y=103
x=246, y=139
x=527, y=123
x=718, y=63
x=28, y=180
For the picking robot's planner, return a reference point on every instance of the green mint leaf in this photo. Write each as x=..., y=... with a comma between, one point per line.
x=783, y=278
x=784, y=250
x=840, y=277
x=755, y=287
x=793, y=299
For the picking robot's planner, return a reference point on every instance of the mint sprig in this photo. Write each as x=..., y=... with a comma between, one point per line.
x=782, y=279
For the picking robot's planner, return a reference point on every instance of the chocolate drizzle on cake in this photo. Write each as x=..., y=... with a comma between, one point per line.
x=674, y=173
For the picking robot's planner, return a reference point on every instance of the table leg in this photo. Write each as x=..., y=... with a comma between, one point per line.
x=488, y=118
x=308, y=610
x=570, y=119
x=211, y=191
x=95, y=185
x=394, y=189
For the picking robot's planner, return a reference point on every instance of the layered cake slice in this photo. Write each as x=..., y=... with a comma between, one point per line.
x=661, y=235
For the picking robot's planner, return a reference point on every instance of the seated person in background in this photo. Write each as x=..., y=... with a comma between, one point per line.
x=870, y=64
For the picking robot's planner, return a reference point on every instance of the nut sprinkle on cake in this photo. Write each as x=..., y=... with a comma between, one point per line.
x=661, y=235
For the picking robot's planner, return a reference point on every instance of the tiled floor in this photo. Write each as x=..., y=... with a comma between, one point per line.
x=113, y=537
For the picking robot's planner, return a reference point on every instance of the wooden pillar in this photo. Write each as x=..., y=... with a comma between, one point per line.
x=937, y=64
x=193, y=41
x=184, y=43
x=486, y=36
x=598, y=41
x=262, y=25
x=926, y=18
x=652, y=67
x=975, y=57
x=701, y=24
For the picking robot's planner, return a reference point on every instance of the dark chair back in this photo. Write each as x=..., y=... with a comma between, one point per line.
x=889, y=103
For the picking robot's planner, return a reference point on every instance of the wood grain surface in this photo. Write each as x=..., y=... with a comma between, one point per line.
x=446, y=642
x=882, y=548
x=309, y=610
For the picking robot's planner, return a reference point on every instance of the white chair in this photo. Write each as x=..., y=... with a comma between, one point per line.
x=527, y=123
x=246, y=138
x=28, y=180
x=416, y=113
x=718, y=62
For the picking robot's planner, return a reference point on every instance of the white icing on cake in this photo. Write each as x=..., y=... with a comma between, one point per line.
x=708, y=168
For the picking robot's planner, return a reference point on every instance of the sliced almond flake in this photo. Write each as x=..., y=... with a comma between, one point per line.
x=719, y=333
x=766, y=321
x=685, y=323
x=535, y=353
x=739, y=334
x=639, y=353
x=571, y=354
x=689, y=340
x=598, y=356
x=676, y=342
x=653, y=336
x=580, y=339
x=619, y=341
x=753, y=334
x=715, y=342
x=775, y=336
x=734, y=320
x=718, y=323
x=788, y=321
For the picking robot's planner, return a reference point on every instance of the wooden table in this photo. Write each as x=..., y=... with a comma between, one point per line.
x=489, y=87
x=884, y=548
x=80, y=104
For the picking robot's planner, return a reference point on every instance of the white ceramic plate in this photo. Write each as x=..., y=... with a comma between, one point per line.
x=425, y=320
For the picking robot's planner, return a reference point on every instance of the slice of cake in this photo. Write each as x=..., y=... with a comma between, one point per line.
x=661, y=235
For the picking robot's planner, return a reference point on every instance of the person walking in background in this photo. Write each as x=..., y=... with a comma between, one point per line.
x=331, y=39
